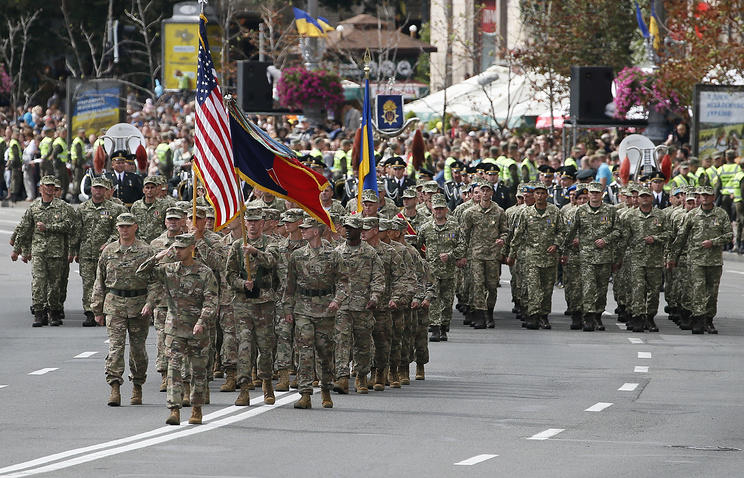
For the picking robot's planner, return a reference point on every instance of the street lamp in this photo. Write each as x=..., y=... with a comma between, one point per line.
x=412, y=31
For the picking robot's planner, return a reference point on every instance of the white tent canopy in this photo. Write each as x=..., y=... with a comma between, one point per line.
x=495, y=93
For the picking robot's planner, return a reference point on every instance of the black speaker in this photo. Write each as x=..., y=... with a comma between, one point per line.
x=591, y=91
x=254, y=87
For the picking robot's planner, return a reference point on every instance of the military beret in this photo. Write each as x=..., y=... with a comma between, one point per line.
x=151, y=180
x=309, y=222
x=369, y=195
x=174, y=213
x=409, y=193
x=581, y=190
x=48, y=180
x=125, y=219
x=184, y=240
x=253, y=213
x=98, y=182
x=353, y=221
x=595, y=187
x=370, y=223
x=271, y=214
x=526, y=187
x=384, y=224
x=438, y=201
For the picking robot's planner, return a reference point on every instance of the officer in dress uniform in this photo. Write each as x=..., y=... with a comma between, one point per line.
x=561, y=196
x=547, y=177
x=399, y=182
x=453, y=189
x=127, y=186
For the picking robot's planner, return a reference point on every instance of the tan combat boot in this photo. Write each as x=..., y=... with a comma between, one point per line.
x=304, y=402
x=268, y=392
x=164, y=383
x=217, y=373
x=207, y=398
x=115, y=397
x=404, y=375
x=393, y=376
x=229, y=385
x=254, y=376
x=361, y=384
x=136, y=395
x=283, y=384
x=325, y=395
x=186, y=399
x=341, y=386
x=196, y=416
x=379, y=385
x=174, y=418
x=244, y=399
x=420, y=371
x=293, y=382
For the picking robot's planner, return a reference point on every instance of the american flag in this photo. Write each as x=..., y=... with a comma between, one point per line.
x=213, y=158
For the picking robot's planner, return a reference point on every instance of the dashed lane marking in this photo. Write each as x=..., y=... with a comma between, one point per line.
x=634, y=340
x=475, y=460
x=43, y=371
x=598, y=407
x=628, y=387
x=549, y=433
x=621, y=326
x=640, y=369
x=85, y=354
x=3, y=386
x=3, y=231
x=644, y=355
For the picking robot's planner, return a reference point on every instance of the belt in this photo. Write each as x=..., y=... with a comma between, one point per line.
x=314, y=292
x=128, y=293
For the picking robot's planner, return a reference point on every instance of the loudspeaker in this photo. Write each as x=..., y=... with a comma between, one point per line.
x=254, y=87
x=591, y=91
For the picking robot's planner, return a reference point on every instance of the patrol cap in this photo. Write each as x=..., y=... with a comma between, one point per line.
x=253, y=213
x=705, y=190
x=400, y=224
x=409, y=193
x=57, y=183
x=354, y=221
x=210, y=213
x=370, y=223
x=730, y=153
x=396, y=162
x=595, y=187
x=185, y=205
x=539, y=186
x=385, y=224
x=644, y=191
x=201, y=212
x=438, y=201
x=677, y=190
x=369, y=195
x=48, y=180
x=294, y=215
x=184, y=240
x=519, y=194
x=309, y=222
x=420, y=183
x=125, y=219
x=431, y=187
x=108, y=182
x=151, y=180
x=174, y=213
x=684, y=164
x=485, y=184
x=693, y=160
x=99, y=182
x=271, y=214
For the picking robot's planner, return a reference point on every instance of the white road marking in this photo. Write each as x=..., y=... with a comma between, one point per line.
x=43, y=371
x=8, y=221
x=153, y=437
x=598, y=407
x=634, y=340
x=475, y=460
x=621, y=326
x=644, y=355
x=3, y=386
x=640, y=369
x=3, y=231
x=85, y=354
x=628, y=387
x=107, y=341
x=736, y=272
x=550, y=432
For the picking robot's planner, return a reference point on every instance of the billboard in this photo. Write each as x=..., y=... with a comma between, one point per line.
x=94, y=104
x=718, y=119
x=180, y=48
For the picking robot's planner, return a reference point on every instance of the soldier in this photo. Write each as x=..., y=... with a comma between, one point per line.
x=421, y=305
x=121, y=296
x=395, y=186
x=572, y=259
x=97, y=227
x=525, y=197
x=484, y=230
x=538, y=237
x=354, y=319
x=645, y=236
x=250, y=272
x=620, y=278
x=45, y=229
x=266, y=200
x=454, y=189
x=596, y=230
x=191, y=292
x=333, y=206
x=409, y=211
x=703, y=235
x=317, y=284
x=150, y=211
x=444, y=251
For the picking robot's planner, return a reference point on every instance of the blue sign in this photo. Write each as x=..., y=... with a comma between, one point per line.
x=389, y=111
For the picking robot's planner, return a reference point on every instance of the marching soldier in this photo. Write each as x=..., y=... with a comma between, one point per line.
x=150, y=211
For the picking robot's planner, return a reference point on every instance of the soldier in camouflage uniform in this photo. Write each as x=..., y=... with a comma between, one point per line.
x=512, y=215
x=317, y=284
x=421, y=305
x=170, y=201
x=150, y=210
x=682, y=313
x=596, y=227
x=44, y=230
x=704, y=233
x=672, y=291
x=463, y=279
x=122, y=297
x=572, y=258
x=484, y=232
x=97, y=227
x=444, y=249
x=250, y=273
x=354, y=320
x=620, y=278
x=266, y=200
x=192, y=295
x=409, y=211
x=538, y=237
x=644, y=238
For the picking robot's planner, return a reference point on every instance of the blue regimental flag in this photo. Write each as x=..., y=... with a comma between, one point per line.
x=389, y=111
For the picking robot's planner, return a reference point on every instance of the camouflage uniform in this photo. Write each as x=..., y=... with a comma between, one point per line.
x=512, y=214
x=284, y=329
x=621, y=278
x=572, y=269
x=150, y=218
x=160, y=307
x=429, y=291
x=407, y=288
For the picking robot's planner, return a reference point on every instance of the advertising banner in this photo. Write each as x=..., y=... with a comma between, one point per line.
x=718, y=119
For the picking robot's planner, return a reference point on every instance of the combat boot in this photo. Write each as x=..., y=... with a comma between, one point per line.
x=304, y=401
x=479, y=319
x=186, y=399
x=55, y=319
x=443, y=333
x=544, y=322
x=394, y=378
x=650, y=325
x=115, y=397
x=709, y=327
x=283, y=384
x=217, y=373
x=466, y=312
x=207, y=399
x=576, y=323
x=39, y=319
x=685, y=320
x=491, y=323
x=164, y=382
x=44, y=317
x=698, y=325
x=404, y=374
x=89, y=320
x=532, y=322
x=196, y=416
x=341, y=386
x=598, y=322
x=244, y=399
x=379, y=385
x=636, y=324
x=589, y=324
x=325, y=396
x=229, y=385
x=420, y=375
x=360, y=384
x=174, y=418
x=268, y=391
x=293, y=383
x=257, y=382
x=136, y=395
x=434, y=333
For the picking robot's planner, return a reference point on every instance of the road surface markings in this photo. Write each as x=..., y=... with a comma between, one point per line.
x=549, y=433
x=634, y=340
x=143, y=440
x=645, y=355
x=640, y=369
x=736, y=272
x=621, y=326
x=107, y=341
x=85, y=355
x=475, y=460
x=43, y=371
x=3, y=386
x=3, y=231
x=598, y=407
x=628, y=387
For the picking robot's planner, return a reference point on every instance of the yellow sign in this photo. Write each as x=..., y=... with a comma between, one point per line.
x=180, y=49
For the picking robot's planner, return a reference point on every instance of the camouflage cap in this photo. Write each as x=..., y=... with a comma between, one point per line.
x=595, y=187
x=678, y=190
x=354, y=221
x=644, y=191
x=294, y=215
x=185, y=205
x=385, y=224
x=109, y=183
x=431, y=187
x=48, y=180
x=309, y=222
x=174, y=213
x=57, y=183
x=151, y=180
x=438, y=200
x=485, y=184
x=370, y=223
x=691, y=190
x=400, y=224
x=539, y=185
x=210, y=212
x=98, y=182
x=409, y=193
x=520, y=194
x=184, y=240
x=125, y=219
x=253, y=213
x=271, y=214
x=633, y=188
x=368, y=195
x=201, y=212
x=706, y=190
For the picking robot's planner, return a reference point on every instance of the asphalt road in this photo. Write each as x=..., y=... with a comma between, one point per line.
x=501, y=402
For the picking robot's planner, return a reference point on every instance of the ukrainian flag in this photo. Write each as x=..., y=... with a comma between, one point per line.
x=325, y=25
x=367, y=168
x=306, y=25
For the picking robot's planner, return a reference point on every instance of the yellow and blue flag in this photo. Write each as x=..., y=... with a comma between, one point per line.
x=367, y=168
x=325, y=25
x=653, y=27
x=306, y=25
x=639, y=19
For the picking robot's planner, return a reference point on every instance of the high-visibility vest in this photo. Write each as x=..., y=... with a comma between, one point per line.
x=571, y=162
x=448, y=168
x=76, y=157
x=338, y=161
x=504, y=163
x=737, y=186
x=713, y=179
x=45, y=145
x=531, y=169
x=315, y=153
x=726, y=174
x=161, y=151
x=12, y=147
x=62, y=144
x=681, y=181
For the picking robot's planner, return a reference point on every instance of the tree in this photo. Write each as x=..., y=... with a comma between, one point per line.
x=148, y=25
x=13, y=53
